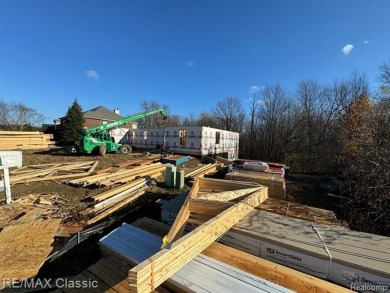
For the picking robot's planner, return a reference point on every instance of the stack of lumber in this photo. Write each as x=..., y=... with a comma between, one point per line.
x=24, y=140
x=43, y=172
x=276, y=184
x=108, y=202
x=121, y=175
x=203, y=170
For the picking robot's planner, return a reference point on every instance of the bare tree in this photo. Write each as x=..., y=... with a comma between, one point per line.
x=208, y=120
x=384, y=74
x=230, y=114
x=275, y=119
x=190, y=120
x=18, y=116
x=152, y=121
x=254, y=104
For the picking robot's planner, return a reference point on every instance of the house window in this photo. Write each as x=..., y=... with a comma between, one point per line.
x=183, y=137
x=145, y=134
x=134, y=133
x=217, y=137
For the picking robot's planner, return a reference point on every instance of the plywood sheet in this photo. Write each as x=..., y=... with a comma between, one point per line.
x=24, y=248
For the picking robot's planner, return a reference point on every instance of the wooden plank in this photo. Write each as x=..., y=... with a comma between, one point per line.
x=208, y=207
x=55, y=177
x=224, y=161
x=224, y=185
x=16, y=261
x=117, y=190
x=154, y=271
x=182, y=217
x=4, y=132
x=227, y=195
x=271, y=271
x=116, y=207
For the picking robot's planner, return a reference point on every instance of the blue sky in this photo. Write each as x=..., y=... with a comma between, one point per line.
x=186, y=54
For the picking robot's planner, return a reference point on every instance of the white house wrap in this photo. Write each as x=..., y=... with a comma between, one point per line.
x=187, y=140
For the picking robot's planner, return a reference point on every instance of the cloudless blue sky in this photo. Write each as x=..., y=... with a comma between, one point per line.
x=186, y=54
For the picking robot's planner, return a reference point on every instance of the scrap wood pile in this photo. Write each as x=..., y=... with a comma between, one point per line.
x=44, y=172
x=25, y=140
x=120, y=175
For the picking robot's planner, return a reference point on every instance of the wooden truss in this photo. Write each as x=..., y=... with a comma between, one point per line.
x=236, y=201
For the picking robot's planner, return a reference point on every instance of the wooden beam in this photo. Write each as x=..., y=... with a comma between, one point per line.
x=116, y=207
x=271, y=271
x=227, y=195
x=225, y=185
x=152, y=272
x=207, y=207
x=179, y=224
x=117, y=190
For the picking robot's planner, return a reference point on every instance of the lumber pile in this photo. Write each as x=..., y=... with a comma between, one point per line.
x=44, y=172
x=203, y=170
x=120, y=175
x=24, y=140
x=106, y=203
x=276, y=184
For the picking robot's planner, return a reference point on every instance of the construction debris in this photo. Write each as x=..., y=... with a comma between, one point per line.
x=44, y=172
x=121, y=175
x=24, y=140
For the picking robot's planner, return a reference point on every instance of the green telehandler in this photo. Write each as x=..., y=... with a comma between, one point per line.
x=99, y=141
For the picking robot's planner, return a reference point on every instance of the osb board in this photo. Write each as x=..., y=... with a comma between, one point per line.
x=24, y=248
x=300, y=211
x=11, y=212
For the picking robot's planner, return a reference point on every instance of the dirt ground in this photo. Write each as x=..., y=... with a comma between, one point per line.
x=71, y=193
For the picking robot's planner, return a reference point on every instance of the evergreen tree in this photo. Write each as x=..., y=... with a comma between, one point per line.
x=72, y=124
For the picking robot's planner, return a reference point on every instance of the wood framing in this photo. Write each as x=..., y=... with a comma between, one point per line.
x=257, y=266
x=152, y=272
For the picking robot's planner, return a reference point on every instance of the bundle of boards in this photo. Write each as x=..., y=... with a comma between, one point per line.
x=24, y=140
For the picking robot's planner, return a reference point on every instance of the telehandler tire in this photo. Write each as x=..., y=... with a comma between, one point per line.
x=102, y=149
x=125, y=149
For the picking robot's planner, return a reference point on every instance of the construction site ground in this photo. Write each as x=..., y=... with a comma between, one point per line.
x=310, y=190
x=71, y=193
